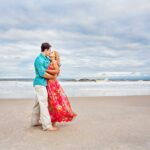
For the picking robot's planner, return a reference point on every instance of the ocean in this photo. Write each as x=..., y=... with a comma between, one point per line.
x=24, y=89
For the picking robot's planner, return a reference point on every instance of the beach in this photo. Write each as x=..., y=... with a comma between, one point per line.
x=103, y=123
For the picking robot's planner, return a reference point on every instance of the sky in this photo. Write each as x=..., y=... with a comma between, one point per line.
x=92, y=36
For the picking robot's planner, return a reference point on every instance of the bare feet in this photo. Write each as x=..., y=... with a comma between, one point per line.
x=54, y=124
x=52, y=129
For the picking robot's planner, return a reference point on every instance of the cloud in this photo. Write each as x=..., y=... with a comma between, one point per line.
x=91, y=36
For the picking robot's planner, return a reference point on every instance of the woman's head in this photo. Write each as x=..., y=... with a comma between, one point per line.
x=55, y=55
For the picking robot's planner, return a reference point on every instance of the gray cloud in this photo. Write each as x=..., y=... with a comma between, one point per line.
x=91, y=36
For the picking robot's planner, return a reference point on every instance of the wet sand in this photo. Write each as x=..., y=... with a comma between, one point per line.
x=103, y=123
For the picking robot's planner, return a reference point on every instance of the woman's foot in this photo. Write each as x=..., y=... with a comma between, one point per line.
x=54, y=124
x=52, y=129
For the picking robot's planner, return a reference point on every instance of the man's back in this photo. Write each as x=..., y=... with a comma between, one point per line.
x=41, y=64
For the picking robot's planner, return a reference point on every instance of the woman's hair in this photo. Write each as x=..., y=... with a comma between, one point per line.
x=57, y=57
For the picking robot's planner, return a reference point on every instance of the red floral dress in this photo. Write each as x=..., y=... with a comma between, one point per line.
x=58, y=104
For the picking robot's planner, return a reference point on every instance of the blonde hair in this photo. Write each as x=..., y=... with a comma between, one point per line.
x=57, y=57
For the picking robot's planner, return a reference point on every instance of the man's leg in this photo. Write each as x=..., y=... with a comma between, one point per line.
x=42, y=97
x=35, y=113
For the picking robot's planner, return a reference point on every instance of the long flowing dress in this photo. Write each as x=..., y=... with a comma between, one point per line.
x=58, y=104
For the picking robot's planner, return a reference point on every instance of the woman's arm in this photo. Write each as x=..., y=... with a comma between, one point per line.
x=49, y=76
x=53, y=72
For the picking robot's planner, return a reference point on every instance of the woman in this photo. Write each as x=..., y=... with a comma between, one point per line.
x=59, y=106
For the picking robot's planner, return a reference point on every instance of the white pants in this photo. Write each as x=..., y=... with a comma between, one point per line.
x=40, y=108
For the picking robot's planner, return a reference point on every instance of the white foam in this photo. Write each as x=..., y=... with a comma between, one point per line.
x=22, y=89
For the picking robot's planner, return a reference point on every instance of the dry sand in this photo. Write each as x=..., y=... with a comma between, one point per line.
x=103, y=123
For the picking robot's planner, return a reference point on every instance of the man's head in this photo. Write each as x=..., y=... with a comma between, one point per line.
x=45, y=48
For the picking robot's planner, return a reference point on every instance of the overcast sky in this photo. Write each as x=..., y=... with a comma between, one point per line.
x=92, y=36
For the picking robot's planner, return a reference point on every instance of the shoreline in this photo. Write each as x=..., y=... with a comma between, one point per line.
x=84, y=98
x=25, y=90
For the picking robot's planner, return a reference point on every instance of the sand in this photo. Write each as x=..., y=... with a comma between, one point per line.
x=103, y=123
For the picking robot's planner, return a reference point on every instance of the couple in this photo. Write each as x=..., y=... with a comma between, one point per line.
x=51, y=103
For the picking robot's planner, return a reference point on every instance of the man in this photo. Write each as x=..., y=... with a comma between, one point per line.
x=40, y=109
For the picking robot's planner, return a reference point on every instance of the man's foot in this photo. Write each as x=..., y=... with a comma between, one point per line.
x=52, y=129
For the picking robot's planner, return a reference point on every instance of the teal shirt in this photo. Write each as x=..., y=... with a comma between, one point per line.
x=41, y=65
